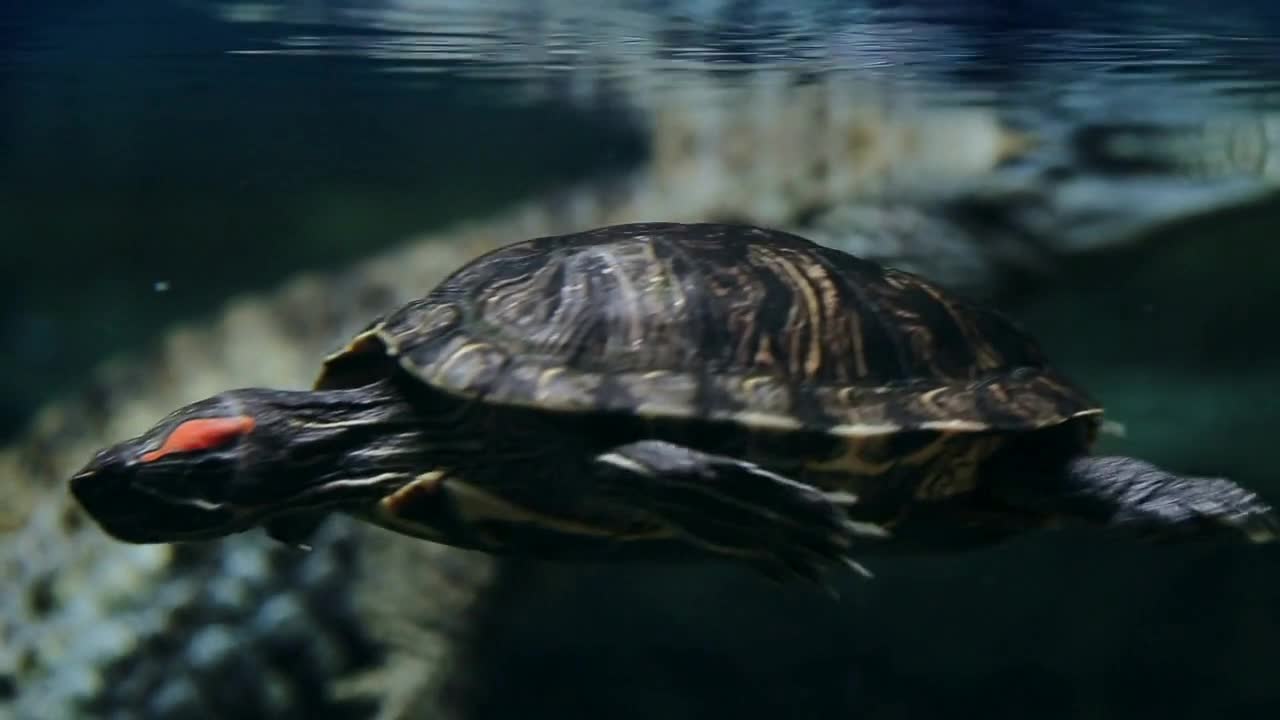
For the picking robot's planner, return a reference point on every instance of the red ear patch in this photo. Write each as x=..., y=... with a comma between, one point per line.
x=201, y=434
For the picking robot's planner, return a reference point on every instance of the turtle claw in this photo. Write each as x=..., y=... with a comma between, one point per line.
x=1259, y=528
x=295, y=529
x=859, y=568
x=787, y=568
x=842, y=498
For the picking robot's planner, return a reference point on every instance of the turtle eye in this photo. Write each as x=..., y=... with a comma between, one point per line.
x=201, y=434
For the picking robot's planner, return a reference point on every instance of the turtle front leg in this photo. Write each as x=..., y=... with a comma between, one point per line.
x=734, y=508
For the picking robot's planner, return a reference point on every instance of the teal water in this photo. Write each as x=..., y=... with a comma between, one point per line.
x=162, y=159
x=152, y=170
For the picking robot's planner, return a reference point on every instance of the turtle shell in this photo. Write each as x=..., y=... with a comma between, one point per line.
x=720, y=323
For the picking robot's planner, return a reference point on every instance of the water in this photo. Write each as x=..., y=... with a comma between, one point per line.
x=1103, y=171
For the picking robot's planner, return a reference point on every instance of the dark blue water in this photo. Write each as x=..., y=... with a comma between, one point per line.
x=142, y=149
x=158, y=159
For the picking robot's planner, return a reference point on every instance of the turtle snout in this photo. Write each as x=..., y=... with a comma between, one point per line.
x=104, y=488
x=142, y=502
x=99, y=481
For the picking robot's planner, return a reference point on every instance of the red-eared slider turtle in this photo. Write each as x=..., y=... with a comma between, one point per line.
x=659, y=387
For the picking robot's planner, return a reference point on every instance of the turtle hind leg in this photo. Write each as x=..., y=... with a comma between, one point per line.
x=1136, y=496
x=734, y=508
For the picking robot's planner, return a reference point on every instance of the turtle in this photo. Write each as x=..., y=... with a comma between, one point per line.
x=665, y=390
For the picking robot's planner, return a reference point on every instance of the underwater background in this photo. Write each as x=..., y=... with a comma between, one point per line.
x=196, y=196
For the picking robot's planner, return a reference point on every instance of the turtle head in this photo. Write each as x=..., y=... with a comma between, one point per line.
x=243, y=458
x=195, y=474
x=253, y=457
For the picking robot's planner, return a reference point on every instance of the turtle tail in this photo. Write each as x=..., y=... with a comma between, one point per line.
x=1138, y=497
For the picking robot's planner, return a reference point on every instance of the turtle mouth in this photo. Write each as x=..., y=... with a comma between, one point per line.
x=138, y=514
